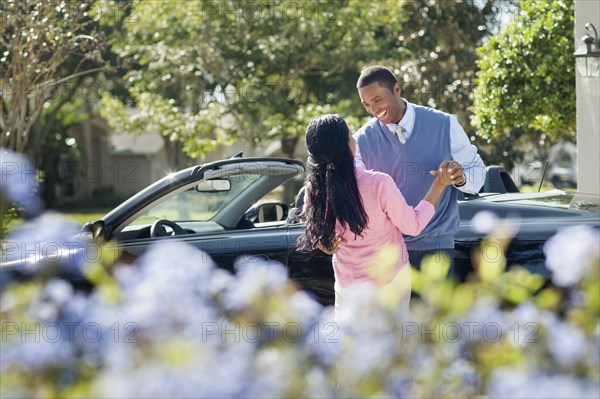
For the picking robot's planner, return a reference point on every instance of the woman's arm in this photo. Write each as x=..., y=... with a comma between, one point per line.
x=411, y=220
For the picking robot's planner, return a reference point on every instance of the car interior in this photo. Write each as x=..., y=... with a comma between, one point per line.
x=224, y=200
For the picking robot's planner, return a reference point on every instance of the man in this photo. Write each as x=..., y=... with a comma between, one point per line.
x=407, y=141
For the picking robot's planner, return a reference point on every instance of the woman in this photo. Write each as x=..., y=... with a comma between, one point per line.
x=362, y=210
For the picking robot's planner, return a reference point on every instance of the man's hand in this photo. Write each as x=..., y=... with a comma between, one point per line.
x=450, y=170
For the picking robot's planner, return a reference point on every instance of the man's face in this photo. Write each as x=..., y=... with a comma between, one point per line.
x=382, y=103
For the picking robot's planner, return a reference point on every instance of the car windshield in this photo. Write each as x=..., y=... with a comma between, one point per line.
x=194, y=205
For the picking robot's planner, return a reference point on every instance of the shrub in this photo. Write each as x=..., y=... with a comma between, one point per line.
x=175, y=325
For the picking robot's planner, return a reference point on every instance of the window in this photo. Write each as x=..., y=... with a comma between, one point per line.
x=194, y=205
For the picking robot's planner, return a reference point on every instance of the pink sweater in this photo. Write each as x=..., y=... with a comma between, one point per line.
x=389, y=217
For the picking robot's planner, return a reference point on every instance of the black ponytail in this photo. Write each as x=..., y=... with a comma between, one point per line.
x=332, y=190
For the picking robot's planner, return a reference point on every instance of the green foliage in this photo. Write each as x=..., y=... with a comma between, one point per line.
x=441, y=38
x=525, y=86
x=9, y=217
x=54, y=63
x=502, y=334
x=214, y=72
x=44, y=45
x=48, y=140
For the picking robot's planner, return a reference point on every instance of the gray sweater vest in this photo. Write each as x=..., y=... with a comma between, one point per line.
x=409, y=165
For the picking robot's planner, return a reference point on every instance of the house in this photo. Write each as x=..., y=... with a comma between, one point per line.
x=113, y=166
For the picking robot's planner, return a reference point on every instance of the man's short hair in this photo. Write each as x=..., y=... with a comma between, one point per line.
x=379, y=74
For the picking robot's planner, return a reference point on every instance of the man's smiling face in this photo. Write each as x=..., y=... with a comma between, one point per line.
x=382, y=103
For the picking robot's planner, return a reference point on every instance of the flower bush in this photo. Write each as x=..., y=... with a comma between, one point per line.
x=175, y=325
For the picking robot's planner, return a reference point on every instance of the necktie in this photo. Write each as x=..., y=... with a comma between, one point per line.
x=399, y=133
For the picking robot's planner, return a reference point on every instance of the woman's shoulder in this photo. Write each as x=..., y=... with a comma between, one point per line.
x=375, y=177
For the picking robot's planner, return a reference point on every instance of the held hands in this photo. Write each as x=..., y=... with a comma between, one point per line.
x=449, y=173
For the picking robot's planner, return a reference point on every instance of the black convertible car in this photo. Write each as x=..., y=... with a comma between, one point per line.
x=229, y=209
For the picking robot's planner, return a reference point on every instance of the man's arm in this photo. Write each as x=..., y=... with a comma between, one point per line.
x=466, y=155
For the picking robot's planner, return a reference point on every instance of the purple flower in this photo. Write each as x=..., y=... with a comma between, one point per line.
x=253, y=281
x=570, y=251
x=171, y=284
x=518, y=383
x=567, y=343
x=35, y=351
x=485, y=321
x=48, y=239
x=18, y=181
x=484, y=222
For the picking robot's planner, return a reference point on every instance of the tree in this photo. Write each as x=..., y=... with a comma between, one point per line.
x=215, y=72
x=50, y=143
x=442, y=39
x=211, y=73
x=45, y=46
x=525, y=86
x=266, y=67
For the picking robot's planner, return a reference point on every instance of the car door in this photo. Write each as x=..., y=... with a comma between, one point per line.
x=311, y=270
x=212, y=218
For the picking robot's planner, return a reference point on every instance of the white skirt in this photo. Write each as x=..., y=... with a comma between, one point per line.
x=361, y=300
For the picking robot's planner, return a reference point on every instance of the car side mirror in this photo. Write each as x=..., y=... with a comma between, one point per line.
x=272, y=213
x=93, y=230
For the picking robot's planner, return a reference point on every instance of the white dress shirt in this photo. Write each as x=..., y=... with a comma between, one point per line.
x=461, y=149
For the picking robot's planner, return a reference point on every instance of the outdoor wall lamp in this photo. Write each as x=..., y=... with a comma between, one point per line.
x=587, y=56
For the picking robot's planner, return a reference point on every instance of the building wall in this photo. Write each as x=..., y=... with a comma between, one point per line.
x=103, y=172
x=131, y=173
x=588, y=107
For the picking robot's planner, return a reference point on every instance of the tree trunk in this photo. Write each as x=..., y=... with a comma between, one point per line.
x=288, y=146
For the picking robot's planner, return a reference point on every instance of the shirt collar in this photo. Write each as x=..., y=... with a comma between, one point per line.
x=407, y=121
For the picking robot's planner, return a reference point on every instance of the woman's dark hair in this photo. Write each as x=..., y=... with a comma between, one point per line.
x=331, y=184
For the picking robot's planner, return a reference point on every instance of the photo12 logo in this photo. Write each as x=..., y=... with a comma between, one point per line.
x=290, y=332
x=519, y=333
x=53, y=332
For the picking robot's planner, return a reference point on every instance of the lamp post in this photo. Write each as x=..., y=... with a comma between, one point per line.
x=587, y=56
